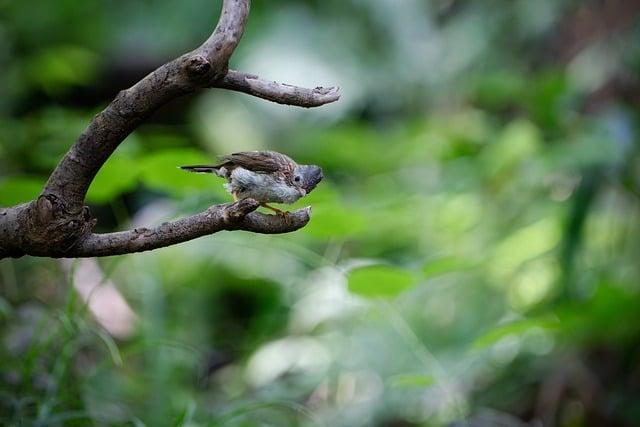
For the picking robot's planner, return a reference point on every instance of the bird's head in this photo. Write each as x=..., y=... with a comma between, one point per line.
x=306, y=177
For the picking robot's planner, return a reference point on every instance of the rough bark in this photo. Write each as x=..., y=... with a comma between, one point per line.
x=58, y=224
x=278, y=92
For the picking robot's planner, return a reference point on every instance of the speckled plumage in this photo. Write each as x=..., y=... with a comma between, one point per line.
x=263, y=187
x=266, y=176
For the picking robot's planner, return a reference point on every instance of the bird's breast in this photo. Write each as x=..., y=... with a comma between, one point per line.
x=263, y=187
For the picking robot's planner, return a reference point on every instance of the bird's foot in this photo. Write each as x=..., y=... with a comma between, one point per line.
x=279, y=212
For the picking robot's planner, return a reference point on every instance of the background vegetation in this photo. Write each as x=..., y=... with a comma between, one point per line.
x=473, y=254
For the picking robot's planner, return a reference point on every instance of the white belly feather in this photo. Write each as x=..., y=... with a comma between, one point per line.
x=264, y=188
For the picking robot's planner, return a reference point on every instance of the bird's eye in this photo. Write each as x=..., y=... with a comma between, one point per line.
x=297, y=178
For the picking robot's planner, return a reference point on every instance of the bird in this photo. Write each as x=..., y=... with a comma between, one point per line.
x=265, y=176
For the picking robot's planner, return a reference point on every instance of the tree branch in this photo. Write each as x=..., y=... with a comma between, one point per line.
x=278, y=92
x=58, y=224
x=234, y=216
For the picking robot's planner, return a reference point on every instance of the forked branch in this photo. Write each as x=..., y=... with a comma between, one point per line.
x=58, y=224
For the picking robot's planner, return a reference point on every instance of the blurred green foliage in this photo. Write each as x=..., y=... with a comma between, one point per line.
x=473, y=251
x=380, y=281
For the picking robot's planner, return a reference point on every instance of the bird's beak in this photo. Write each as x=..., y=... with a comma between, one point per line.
x=302, y=191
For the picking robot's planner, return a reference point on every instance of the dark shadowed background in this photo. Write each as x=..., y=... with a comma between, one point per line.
x=473, y=255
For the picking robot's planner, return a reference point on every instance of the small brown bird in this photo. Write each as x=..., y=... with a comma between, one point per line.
x=266, y=176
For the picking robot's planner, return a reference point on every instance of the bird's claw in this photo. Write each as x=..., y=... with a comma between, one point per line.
x=279, y=212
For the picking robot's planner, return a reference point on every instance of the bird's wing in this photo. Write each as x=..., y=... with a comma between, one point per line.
x=257, y=161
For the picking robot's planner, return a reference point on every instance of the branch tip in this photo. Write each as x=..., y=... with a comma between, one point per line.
x=280, y=93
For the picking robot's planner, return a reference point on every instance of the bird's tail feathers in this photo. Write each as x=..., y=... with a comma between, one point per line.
x=201, y=168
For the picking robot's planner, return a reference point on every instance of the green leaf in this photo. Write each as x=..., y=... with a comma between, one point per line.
x=117, y=176
x=515, y=328
x=332, y=221
x=525, y=244
x=160, y=170
x=19, y=190
x=445, y=265
x=519, y=141
x=380, y=281
x=410, y=381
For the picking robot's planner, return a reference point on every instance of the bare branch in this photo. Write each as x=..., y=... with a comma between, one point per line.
x=233, y=216
x=278, y=92
x=58, y=224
